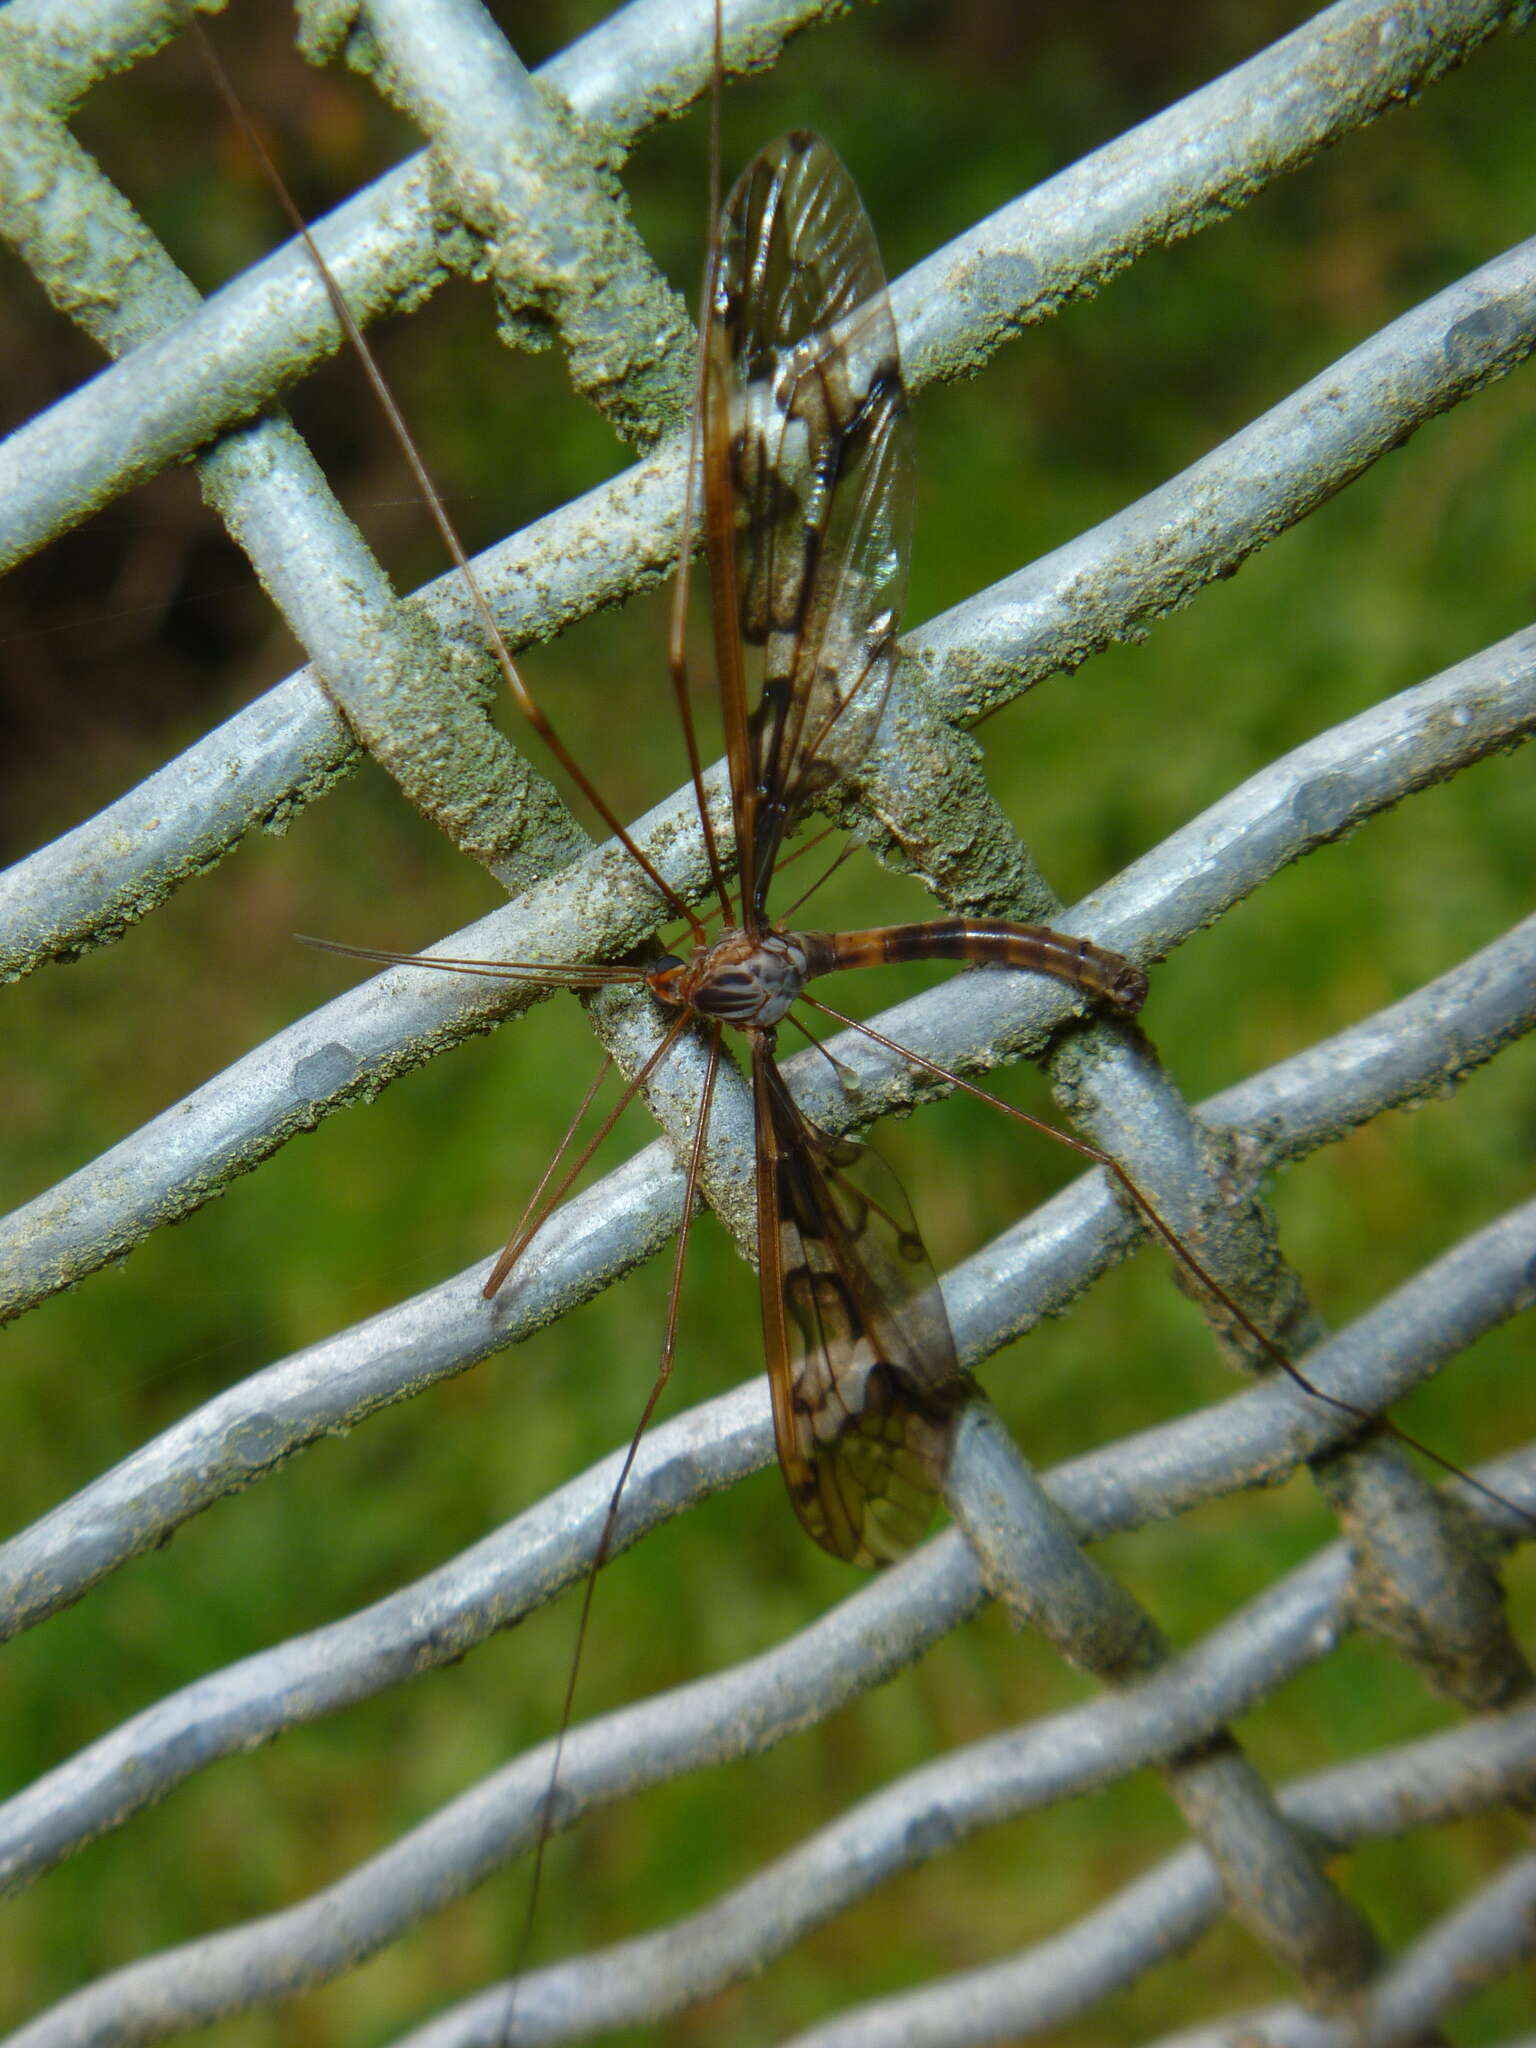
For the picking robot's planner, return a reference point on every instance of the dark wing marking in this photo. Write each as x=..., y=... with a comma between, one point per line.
x=808, y=471
x=862, y=1366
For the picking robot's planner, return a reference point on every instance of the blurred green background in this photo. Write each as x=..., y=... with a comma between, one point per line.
x=943, y=112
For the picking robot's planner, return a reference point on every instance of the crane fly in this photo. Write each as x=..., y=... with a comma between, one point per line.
x=802, y=425
x=802, y=428
x=802, y=442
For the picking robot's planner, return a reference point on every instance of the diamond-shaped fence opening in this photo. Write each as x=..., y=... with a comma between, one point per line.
x=809, y=1805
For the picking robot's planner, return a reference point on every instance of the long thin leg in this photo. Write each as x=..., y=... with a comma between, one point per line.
x=525, y=701
x=677, y=639
x=530, y=1223
x=610, y=1520
x=1192, y=1265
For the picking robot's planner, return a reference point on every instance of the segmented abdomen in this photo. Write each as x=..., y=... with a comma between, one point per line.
x=1107, y=977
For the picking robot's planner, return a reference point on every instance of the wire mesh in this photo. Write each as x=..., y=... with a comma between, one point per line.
x=892, y=1875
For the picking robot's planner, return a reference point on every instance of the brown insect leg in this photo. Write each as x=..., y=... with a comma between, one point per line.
x=610, y=1520
x=520, y=1239
x=1184, y=1255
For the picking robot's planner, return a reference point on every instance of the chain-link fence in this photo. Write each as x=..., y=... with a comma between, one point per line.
x=921, y=1859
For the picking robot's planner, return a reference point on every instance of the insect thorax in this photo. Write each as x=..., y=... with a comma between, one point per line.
x=741, y=979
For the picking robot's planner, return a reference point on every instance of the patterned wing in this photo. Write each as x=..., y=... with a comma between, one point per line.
x=808, y=499
x=865, y=1382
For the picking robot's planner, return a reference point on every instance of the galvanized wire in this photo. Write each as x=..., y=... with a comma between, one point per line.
x=1413, y=1569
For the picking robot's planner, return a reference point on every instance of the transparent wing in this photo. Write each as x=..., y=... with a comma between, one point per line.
x=866, y=1385
x=808, y=498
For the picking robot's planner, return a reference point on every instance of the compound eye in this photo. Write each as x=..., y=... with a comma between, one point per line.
x=667, y=964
